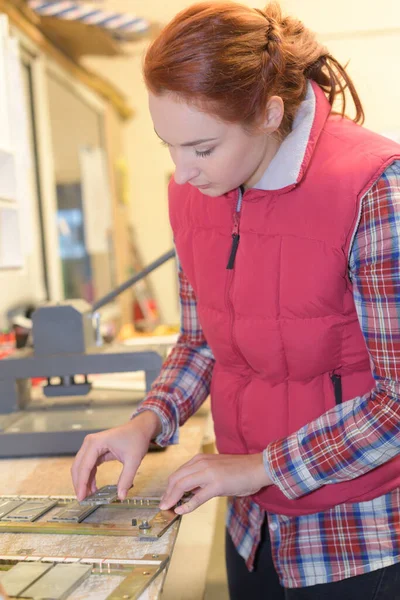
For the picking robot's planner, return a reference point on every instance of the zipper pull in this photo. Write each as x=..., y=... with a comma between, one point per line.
x=232, y=256
x=235, y=241
x=337, y=388
x=235, y=233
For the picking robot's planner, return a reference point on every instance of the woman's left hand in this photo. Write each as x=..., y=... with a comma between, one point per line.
x=210, y=475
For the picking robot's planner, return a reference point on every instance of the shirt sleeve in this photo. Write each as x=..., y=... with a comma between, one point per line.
x=360, y=434
x=185, y=378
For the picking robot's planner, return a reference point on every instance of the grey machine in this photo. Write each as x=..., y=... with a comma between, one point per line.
x=67, y=348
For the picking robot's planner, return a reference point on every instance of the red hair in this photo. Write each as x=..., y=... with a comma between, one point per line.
x=229, y=59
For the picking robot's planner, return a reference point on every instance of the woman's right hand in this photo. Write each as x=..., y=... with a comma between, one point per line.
x=127, y=443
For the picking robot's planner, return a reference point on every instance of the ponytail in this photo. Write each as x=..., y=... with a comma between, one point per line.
x=229, y=59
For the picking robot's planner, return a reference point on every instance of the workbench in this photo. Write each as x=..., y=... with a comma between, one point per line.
x=51, y=476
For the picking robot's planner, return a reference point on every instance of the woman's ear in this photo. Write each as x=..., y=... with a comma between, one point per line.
x=273, y=115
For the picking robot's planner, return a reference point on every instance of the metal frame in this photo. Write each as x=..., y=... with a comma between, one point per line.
x=23, y=433
x=44, y=66
x=138, y=573
x=39, y=65
x=145, y=531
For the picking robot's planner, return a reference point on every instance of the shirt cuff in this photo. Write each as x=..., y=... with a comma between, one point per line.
x=284, y=465
x=166, y=411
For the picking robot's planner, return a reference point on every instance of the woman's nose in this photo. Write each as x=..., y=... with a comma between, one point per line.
x=184, y=172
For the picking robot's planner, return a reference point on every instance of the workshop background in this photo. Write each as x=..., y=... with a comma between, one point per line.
x=363, y=32
x=83, y=193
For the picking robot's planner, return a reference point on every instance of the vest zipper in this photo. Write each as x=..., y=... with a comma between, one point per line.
x=228, y=302
x=337, y=388
x=235, y=232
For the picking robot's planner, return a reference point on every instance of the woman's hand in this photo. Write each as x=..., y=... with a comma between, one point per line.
x=210, y=475
x=127, y=443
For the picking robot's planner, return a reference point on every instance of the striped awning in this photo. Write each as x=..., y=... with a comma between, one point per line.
x=119, y=25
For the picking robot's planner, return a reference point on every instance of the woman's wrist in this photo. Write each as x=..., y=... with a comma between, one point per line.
x=150, y=422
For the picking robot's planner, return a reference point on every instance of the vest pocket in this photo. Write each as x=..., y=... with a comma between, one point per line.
x=337, y=388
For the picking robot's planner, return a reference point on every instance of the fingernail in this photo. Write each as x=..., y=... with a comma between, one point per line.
x=163, y=506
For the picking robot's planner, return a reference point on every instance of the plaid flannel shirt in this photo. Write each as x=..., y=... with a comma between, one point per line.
x=347, y=441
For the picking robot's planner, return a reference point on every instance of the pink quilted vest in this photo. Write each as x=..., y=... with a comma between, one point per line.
x=281, y=319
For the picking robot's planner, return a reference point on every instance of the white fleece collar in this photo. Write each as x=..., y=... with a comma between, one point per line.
x=284, y=168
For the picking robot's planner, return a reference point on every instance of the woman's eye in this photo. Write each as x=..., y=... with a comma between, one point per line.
x=204, y=153
x=199, y=153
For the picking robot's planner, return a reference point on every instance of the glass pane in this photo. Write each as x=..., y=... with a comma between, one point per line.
x=77, y=128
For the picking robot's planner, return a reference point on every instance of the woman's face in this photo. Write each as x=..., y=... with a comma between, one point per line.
x=210, y=154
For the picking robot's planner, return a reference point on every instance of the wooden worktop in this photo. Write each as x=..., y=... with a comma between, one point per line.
x=51, y=476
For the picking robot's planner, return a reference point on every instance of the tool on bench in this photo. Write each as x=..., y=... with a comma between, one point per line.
x=67, y=348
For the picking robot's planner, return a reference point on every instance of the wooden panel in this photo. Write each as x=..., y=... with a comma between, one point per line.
x=120, y=212
x=28, y=23
x=79, y=39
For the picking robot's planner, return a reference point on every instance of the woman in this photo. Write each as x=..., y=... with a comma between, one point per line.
x=286, y=223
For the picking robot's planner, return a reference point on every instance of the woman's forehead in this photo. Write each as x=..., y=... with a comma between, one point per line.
x=179, y=123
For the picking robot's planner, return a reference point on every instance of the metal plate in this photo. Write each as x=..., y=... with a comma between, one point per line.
x=59, y=582
x=137, y=574
x=136, y=582
x=104, y=495
x=6, y=506
x=74, y=513
x=138, y=502
x=30, y=510
x=71, y=518
x=21, y=576
x=158, y=526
